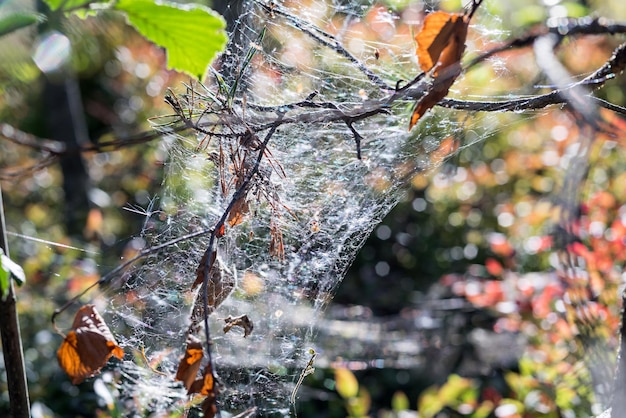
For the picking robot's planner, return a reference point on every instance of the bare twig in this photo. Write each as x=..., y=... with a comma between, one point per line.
x=562, y=27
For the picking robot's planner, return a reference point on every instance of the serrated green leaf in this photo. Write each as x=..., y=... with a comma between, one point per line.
x=15, y=21
x=192, y=35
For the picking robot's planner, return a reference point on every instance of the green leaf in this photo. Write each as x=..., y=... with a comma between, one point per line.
x=483, y=410
x=192, y=35
x=400, y=402
x=451, y=392
x=15, y=21
x=67, y=4
x=7, y=269
x=359, y=406
x=12, y=268
x=346, y=384
x=429, y=403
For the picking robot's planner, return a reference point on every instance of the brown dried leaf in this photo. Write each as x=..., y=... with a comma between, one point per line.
x=202, y=266
x=437, y=93
x=220, y=284
x=190, y=363
x=238, y=212
x=88, y=346
x=239, y=321
x=209, y=407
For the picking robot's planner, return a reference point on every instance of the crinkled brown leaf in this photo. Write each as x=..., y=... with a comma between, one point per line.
x=190, y=363
x=88, y=346
x=220, y=284
x=239, y=321
x=209, y=407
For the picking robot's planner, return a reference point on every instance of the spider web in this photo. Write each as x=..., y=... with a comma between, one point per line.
x=313, y=66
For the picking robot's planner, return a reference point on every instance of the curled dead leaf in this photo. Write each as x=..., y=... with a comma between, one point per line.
x=239, y=321
x=88, y=346
x=221, y=280
x=209, y=407
x=438, y=91
x=204, y=385
x=187, y=373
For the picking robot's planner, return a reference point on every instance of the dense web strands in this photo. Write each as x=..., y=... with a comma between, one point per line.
x=302, y=93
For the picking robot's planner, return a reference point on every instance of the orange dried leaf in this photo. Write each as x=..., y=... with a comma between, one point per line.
x=441, y=41
x=190, y=363
x=433, y=37
x=205, y=385
x=88, y=346
x=219, y=233
x=440, y=46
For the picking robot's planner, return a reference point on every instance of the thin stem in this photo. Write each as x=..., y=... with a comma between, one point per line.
x=12, y=340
